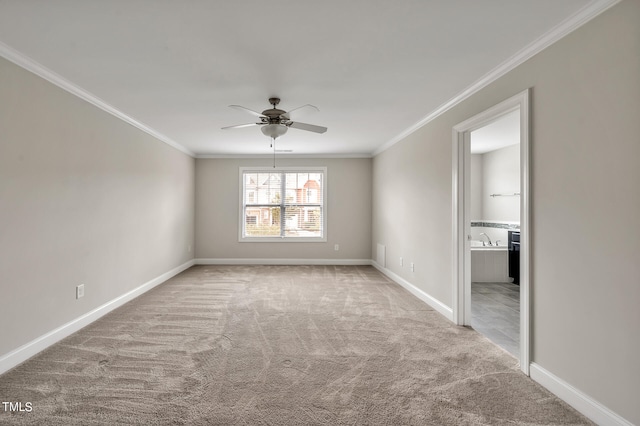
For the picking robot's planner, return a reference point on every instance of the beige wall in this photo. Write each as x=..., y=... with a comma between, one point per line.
x=84, y=198
x=348, y=211
x=585, y=150
x=412, y=210
x=495, y=172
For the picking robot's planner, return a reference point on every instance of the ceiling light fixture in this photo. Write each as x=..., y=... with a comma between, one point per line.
x=274, y=130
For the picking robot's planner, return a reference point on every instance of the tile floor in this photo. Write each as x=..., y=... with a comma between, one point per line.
x=495, y=312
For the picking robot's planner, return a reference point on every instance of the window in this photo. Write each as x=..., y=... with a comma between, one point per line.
x=283, y=204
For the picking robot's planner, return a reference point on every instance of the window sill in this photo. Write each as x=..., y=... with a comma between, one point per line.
x=283, y=240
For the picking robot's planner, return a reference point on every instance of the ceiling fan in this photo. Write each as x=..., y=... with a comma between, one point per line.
x=275, y=122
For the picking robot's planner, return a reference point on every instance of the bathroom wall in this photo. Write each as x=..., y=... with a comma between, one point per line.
x=501, y=175
x=495, y=172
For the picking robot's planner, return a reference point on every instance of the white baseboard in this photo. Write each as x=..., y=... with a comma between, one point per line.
x=586, y=405
x=429, y=300
x=242, y=261
x=26, y=351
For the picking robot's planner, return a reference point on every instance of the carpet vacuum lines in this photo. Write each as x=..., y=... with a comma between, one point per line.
x=277, y=345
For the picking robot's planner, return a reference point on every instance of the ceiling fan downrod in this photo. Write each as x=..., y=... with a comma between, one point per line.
x=274, y=101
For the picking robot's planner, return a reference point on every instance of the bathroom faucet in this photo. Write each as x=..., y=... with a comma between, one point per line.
x=482, y=233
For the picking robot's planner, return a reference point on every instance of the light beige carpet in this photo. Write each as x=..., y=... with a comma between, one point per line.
x=277, y=345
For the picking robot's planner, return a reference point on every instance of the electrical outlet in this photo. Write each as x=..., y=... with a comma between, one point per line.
x=189, y=248
x=336, y=247
x=80, y=291
x=401, y=262
x=412, y=268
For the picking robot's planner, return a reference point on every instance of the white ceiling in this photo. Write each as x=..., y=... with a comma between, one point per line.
x=503, y=132
x=374, y=68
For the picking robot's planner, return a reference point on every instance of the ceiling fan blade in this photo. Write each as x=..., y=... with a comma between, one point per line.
x=308, y=127
x=250, y=111
x=300, y=111
x=239, y=126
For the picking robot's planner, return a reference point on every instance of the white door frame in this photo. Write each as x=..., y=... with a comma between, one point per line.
x=461, y=215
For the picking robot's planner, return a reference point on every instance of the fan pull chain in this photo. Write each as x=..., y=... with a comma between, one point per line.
x=273, y=142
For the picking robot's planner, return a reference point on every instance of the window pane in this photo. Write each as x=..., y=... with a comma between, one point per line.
x=303, y=221
x=262, y=222
x=262, y=188
x=273, y=200
x=304, y=188
x=291, y=196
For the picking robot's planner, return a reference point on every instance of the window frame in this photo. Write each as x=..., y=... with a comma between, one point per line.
x=281, y=239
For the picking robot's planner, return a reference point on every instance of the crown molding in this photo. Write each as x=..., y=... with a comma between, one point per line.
x=38, y=69
x=569, y=25
x=561, y=30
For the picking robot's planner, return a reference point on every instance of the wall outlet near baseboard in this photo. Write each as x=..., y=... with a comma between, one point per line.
x=412, y=267
x=336, y=247
x=401, y=261
x=189, y=248
x=79, y=291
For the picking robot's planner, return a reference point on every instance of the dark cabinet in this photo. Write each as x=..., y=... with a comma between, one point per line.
x=514, y=255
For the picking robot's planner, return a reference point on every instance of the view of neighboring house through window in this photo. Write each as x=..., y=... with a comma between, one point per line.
x=283, y=204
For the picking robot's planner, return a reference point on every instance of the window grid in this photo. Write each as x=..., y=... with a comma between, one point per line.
x=283, y=204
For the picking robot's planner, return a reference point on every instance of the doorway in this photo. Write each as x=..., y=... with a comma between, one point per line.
x=495, y=219
x=464, y=237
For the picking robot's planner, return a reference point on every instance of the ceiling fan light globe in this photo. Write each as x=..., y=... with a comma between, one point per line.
x=274, y=130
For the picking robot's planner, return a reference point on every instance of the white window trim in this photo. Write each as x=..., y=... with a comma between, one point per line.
x=325, y=202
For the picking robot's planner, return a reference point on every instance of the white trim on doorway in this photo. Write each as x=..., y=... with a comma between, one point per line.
x=461, y=267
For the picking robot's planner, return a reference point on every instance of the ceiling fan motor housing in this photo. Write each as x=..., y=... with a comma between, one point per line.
x=274, y=113
x=275, y=122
